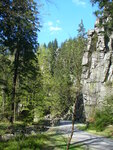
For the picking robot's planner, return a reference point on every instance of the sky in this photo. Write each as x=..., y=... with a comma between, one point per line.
x=60, y=19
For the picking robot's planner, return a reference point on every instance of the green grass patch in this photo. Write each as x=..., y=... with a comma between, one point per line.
x=25, y=143
x=47, y=141
x=107, y=132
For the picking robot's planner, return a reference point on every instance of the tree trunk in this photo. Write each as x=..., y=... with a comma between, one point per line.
x=73, y=121
x=3, y=93
x=13, y=103
x=13, y=98
x=3, y=101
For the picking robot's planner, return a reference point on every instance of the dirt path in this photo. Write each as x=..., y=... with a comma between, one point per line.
x=92, y=142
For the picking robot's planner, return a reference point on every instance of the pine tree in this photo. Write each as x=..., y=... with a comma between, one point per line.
x=18, y=32
x=81, y=30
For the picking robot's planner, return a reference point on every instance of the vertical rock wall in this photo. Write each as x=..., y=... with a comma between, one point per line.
x=97, y=74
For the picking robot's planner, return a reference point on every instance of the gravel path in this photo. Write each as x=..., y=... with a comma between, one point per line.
x=92, y=142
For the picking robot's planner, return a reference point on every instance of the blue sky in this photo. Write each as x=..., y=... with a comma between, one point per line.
x=60, y=19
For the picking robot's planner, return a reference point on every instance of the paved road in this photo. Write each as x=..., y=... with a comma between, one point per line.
x=92, y=142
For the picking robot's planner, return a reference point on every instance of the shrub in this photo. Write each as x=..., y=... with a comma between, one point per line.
x=104, y=117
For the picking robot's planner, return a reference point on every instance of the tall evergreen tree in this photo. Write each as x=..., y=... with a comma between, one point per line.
x=18, y=32
x=81, y=30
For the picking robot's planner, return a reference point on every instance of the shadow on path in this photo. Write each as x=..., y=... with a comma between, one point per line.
x=81, y=138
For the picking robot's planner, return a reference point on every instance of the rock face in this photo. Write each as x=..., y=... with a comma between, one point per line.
x=97, y=73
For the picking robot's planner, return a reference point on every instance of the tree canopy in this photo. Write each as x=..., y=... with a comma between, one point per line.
x=105, y=13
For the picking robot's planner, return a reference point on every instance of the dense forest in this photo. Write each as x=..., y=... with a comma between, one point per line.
x=41, y=82
x=36, y=80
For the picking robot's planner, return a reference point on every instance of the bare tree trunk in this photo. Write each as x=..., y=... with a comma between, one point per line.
x=73, y=121
x=73, y=118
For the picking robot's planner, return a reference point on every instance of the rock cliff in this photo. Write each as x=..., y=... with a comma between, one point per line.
x=97, y=73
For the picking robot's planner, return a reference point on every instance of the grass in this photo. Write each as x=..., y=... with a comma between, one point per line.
x=107, y=132
x=49, y=140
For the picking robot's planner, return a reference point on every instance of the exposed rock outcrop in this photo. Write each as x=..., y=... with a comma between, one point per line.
x=97, y=74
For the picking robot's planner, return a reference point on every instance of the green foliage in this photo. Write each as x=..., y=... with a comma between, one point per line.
x=53, y=48
x=18, y=62
x=105, y=14
x=36, y=83
x=59, y=90
x=61, y=70
x=104, y=117
x=25, y=143
x=26, y=116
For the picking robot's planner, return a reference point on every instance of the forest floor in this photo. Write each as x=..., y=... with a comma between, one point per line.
x=88, y=140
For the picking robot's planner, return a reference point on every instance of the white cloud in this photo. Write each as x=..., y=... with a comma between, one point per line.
x=50, y=23
x=52, y=28
x=79, y=2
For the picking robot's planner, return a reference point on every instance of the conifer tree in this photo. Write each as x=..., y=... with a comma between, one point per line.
x=81, y=30
x=18, y=32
